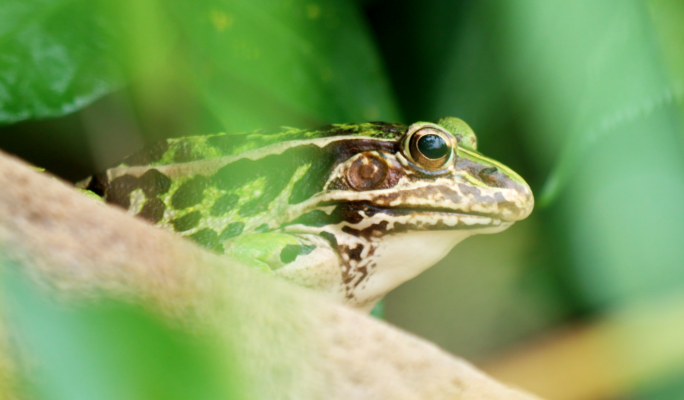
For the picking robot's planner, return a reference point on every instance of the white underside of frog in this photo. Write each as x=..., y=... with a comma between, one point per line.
x=384, y=262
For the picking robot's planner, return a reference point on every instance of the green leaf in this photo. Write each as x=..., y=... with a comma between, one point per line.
x=54, y=57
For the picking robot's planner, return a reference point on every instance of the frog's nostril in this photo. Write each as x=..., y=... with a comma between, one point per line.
x=489, y=175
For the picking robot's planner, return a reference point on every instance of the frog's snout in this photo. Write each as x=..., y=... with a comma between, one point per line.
x=519, y=200
x=513, y=198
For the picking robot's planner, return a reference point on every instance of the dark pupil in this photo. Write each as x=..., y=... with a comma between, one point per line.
x=433, y=146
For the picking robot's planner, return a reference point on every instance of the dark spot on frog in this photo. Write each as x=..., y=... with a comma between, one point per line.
x=189, y=193
x=355, y=253
x=254, y=207
x=224, y=204
x=330, y=238
x=315, y=178
x=119, y=190
x=206, y=237
x=321, y=218
x=232, y=230
x=148, y=155
x=261, y=228
x=153, y=210
x=185, y=152
x=290, y=252
x=186, y=222
x=351, y=212
x=154, y=183
x=375, y=230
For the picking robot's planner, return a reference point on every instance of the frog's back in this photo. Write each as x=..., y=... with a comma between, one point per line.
x=196, y=148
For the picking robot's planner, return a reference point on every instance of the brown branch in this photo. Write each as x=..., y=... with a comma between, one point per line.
x=81, y=249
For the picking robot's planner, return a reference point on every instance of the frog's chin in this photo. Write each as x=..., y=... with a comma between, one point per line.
x=400, y=257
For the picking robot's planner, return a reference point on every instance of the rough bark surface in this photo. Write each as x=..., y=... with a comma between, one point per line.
x=78, y=249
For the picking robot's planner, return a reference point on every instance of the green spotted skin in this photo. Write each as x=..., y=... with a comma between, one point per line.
x=339, y=209
x=237, y=198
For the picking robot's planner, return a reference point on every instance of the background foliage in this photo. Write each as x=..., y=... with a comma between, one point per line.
x=582, y=98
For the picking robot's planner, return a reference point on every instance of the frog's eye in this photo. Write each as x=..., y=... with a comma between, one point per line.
x=429, y=147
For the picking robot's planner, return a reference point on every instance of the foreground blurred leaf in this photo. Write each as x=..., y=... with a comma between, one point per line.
x=55, y=57
x=253, y=63
x=110, y=351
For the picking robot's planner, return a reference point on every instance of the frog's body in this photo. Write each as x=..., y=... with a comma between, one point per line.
x=351, y=210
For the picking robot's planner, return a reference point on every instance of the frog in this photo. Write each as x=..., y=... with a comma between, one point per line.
x=349, y=210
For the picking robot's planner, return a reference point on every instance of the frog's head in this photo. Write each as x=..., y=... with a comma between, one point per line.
x=397, y=206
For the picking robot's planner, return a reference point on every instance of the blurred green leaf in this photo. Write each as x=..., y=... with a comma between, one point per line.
x=253, y=63
x=55, y=57
x=305, y=62
x=110, y=351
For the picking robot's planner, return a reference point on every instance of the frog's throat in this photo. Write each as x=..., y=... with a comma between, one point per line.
x=400, y=257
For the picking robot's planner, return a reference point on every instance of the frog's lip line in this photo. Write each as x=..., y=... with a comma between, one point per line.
x=442, y=211
x=370, y=208
x=483, y=220
x=440, y=220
